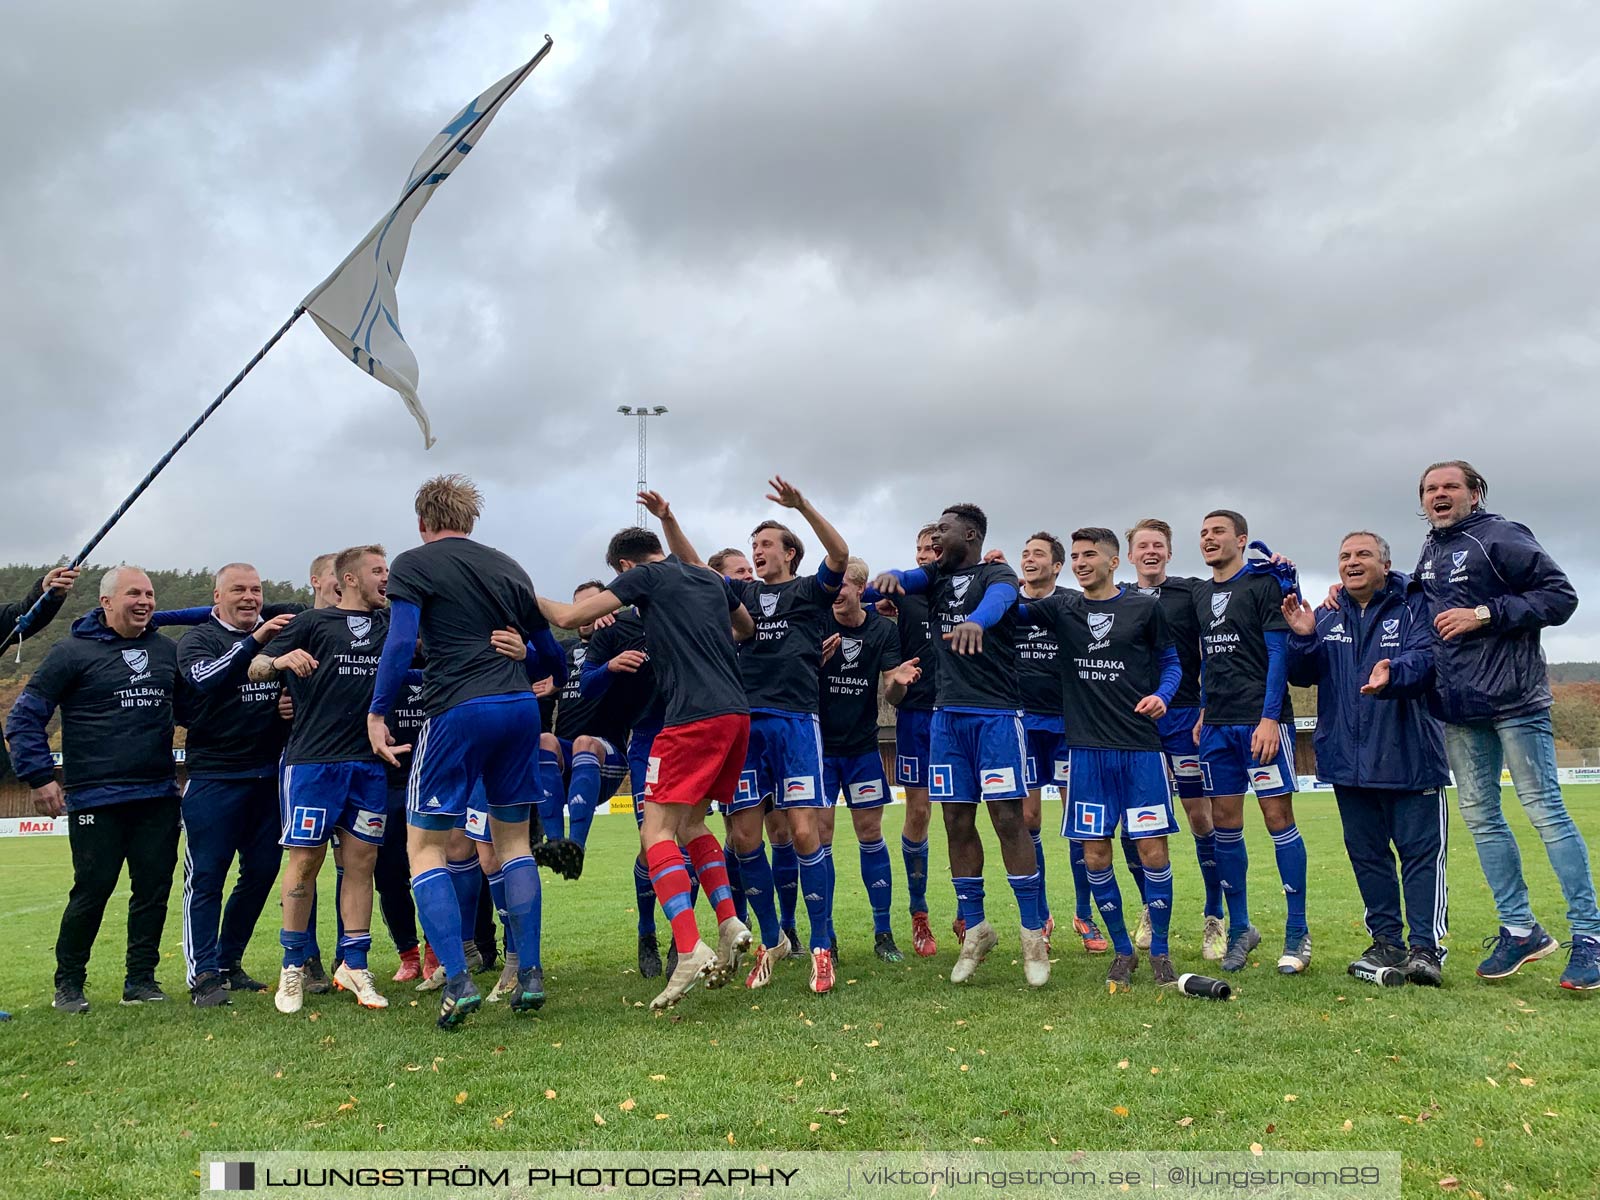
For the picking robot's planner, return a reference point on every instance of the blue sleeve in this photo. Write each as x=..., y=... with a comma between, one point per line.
x=30, y=745
x=179, y=616
x=594, y=680
x=1027, y=615
x=1411, y=671
x=1277, y=672
x=1171, y=675
x=997, y=600
x=546, y=659
x=871, y=595
x=1541, y=593
x=399, y=648
x=828, y=577
x=914, y=581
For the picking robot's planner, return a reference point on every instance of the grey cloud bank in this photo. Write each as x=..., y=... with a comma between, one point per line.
x=1079, y=268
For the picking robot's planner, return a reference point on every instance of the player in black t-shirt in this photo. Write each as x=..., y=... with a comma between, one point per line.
x=1150, y=550
x=912, y=723
x=331, y=778
x=1120, y=671
x=1039, y=674
x=861, y=653
x=976, y=743
x=1246, y=732
x=780, y=666
x=482, y=726
x=581, y=760
x=689, y=613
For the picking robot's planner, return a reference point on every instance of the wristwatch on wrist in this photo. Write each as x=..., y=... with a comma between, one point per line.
x=1482, y=613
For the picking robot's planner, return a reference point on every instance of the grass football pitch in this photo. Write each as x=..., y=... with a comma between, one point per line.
x=1495, y=1085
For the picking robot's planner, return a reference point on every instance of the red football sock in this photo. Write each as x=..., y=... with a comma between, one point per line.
x=671, y=883
x=705, y=852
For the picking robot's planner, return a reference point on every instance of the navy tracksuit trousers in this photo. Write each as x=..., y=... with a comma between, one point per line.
x=1379, y=824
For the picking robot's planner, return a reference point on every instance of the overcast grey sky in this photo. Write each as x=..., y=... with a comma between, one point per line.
x=1076, y=265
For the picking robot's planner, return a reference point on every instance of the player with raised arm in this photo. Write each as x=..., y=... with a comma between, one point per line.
x=781, y=666
x=861, y=654
x=483, y=723
x=1150, y=551
x=913, y=720
x=689, y=614
x=1246, y=732
x=976, y=743
x=736, y=566
x=1121, y=670
x=331, y=778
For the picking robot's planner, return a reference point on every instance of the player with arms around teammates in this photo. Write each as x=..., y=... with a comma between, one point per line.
x=860, y=654
x=1246, y=732
x=1121, y=671
x=691, y=618
x=976, y=744
x=483, y=723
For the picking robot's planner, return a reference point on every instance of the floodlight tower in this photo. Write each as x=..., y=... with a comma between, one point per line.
x=643, y=413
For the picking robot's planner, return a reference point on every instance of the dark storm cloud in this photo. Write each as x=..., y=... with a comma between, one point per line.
x=1077, y=267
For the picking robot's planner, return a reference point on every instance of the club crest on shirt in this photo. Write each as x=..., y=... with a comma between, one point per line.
x=769, y=603
x=1391, y=626
x=579, y=653
x=359, y=627
x=138, y=661
x=1458, y=559
x=959, y=586
x=1219, y=604
x=1100, y=624
x=851, y=649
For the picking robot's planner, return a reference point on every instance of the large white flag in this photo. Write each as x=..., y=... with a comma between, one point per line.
x=356, y=305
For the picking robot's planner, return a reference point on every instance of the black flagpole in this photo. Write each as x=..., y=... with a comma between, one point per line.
x=25, y=621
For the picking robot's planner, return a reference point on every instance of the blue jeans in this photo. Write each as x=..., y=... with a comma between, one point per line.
x=1527, y=747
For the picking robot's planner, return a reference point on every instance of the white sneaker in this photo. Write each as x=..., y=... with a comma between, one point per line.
x=1214, y=941
x=291, y=990
x=1035, y=957
x=981, y=938
x=761, y=974
x=358, y=981
x=507, y=980
x=733, y=939
x=690, y=968
x=1141, y=935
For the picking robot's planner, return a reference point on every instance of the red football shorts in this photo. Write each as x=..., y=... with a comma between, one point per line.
x=698, y=761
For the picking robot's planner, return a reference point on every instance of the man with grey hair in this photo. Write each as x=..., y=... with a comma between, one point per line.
x=1371, y=661
x=114, y=680
x=230, y=804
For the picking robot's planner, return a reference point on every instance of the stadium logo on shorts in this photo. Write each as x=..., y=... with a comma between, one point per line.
x=999, y=779
x=851, y=647
x=475, y=820
x=1186, y=766
x=959, y=586
x=1146, y=818
x=359, y=627
x=1219, y=604
x=137, y=661
x=769, y=603
x=870, y=790
x=369, y=824
x=1100, y=624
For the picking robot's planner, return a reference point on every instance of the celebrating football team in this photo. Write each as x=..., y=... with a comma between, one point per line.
x=405, y=721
